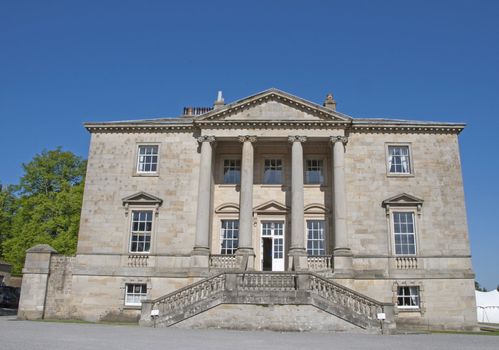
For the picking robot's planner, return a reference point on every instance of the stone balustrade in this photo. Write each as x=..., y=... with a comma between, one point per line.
x=269, y=288
x=319, y=262
x=406, y=263
x=356, y=303
x=264, y=281
x=138, y=260
x=225, y=262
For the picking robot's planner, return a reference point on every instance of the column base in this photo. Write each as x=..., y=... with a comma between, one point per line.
x=298, y=259
x=200, y=257
x=342, y=263
x=245, y=259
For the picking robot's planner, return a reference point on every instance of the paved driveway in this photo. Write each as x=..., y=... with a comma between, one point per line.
x=67, y=336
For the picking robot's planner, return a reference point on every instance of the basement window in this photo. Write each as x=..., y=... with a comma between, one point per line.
x=135, y=293
x=408, y=297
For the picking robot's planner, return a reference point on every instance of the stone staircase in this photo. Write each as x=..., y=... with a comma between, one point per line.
x=269, y=288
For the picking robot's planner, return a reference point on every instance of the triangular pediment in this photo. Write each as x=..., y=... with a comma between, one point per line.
x=273, y=105
x=142, y=198
x=271, y=207
x=403, y=199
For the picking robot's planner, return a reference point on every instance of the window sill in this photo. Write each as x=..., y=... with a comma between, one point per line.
x=228, y=185
x=272, y=186
x=145, y=175
x=399, y=175
x=314, y=186
x=132, y=307
x=409, y=309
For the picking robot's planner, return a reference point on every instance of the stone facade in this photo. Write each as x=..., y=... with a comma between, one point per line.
x=274, y=140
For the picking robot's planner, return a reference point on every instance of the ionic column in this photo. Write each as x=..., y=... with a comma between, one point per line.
x=245, y=251
x=297, y=251
x=201, y=251
x=342, y=256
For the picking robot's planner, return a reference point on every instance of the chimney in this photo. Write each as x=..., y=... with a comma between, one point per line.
x=219, y=103
x=330, y=103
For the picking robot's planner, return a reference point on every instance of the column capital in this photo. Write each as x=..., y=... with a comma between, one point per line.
x=206, y=138
x=297, y=138
x=342, y=139
x=245, y=138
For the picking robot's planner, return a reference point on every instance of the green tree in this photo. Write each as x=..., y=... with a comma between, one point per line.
x=7, y=209
x=479, y=288
x=52, y=171
x=48, y=206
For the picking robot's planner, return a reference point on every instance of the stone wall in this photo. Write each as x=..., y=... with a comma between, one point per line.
x=269, y=317
x=59, y=287
x=111, y=176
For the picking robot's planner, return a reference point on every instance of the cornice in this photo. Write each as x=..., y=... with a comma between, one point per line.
x=269, y=124
x=405, y=127
x=137, y=128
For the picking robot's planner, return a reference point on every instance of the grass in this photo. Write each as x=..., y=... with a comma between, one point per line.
x=88, y=322
x=486, y=332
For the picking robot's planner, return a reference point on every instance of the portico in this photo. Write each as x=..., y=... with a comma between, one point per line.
x=259, y=188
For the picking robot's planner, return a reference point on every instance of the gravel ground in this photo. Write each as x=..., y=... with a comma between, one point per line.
x=20, y=335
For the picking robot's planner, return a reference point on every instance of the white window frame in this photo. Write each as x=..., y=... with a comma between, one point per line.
x=140, y=232
x=130, y=298
x=407, y=145
x=324, y=240
x=411, y=295
x=323, y=171
x=232, y=239
x=414, y=233
x=223, y=170
x=137, y=170
x=277, y=158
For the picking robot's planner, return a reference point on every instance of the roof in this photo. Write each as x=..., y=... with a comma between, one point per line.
x=324, y=116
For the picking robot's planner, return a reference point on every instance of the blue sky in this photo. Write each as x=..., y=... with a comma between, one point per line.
x=66, y=62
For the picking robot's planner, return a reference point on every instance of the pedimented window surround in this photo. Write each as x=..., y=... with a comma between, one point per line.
x=140, y=202
x=142, y=199
x=403, y=200
x=403, y=214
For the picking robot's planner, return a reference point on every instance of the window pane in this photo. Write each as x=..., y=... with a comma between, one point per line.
x=229, y=236
x=232, y=171
x=408, y=297
x=404, y=233
x=398, y=159
x=135, y=293
x=314, y=171
x=272, y=171
x=141, y=231
x=316, y=237
x=147, y=161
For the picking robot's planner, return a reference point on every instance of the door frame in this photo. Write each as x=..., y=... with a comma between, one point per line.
x=261, y=237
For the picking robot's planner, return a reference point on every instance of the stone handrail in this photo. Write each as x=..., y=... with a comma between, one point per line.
x=221, y=261
x=319, y=262
x=173, y=304
x=356, y=302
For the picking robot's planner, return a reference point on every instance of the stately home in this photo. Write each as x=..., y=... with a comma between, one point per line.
x=271, y=212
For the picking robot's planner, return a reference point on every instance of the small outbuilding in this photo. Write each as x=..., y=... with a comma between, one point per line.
x=487, y=306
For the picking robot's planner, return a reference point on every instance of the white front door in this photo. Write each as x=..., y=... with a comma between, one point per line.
x=272, y=246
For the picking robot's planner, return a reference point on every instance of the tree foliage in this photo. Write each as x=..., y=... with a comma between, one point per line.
x=46, y=206
x=7, y=208
x=479, y=288
x=52, y=171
